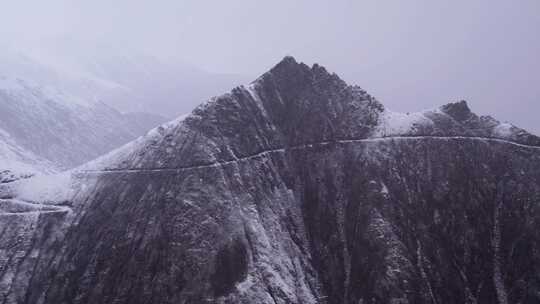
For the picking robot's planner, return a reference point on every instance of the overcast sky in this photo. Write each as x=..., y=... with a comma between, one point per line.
x=411, y=54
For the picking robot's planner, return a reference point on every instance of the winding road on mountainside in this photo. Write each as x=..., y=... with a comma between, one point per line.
x=10, y=206
x=82, y=173
x=17, y=207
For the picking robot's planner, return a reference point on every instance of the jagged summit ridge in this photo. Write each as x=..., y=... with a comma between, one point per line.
x=292, y=105
x=460, y=111
x=289, y=67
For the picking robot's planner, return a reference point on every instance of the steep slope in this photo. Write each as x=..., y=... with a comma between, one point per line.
x=295, y=189
x=16, y=162
x=62, y=128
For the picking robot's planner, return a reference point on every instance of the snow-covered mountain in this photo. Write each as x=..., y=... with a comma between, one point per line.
x=451, y=119
x=65, y=129
x=17, y=162
x=127, y=81
x=148, y=84
x=297, y=188
x=71, y=104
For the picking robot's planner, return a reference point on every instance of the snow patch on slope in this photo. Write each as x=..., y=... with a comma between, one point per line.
x=132, y=147
x=45, y=188
x=16, y=162
x=395, y=123
x=32, y=91
x=504, y=130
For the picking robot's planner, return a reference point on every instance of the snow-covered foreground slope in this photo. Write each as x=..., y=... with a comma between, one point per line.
x=296, y=189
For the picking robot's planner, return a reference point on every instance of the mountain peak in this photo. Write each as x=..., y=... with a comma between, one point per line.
x=289, y=59
x=460, y=110
x=289, y=67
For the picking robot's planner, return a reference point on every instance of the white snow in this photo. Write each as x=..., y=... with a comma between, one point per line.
x=252, y=90
x=504, y=130
x=31, y=91
x=10, y=84
x=19, y=160
x=45, y=188
x=395, y=123
x=39, y=183
x=384, y=189
x=164, y=128
x=66, y=98
x=123, y=152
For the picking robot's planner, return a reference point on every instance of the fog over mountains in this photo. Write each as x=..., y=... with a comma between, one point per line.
x=61, y=108
x=414, y=55
x=127, y=80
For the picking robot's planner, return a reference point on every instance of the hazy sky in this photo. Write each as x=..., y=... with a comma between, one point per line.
x=412, y=54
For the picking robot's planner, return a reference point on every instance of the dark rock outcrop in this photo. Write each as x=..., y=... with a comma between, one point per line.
x=282, y=192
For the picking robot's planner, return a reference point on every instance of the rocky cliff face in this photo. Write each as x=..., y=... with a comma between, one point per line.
x=295, y=189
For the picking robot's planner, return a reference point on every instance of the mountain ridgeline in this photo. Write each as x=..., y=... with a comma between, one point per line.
x=295, y=189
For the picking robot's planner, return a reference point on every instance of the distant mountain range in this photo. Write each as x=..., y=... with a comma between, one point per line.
x=64, y=129
x=59, y=110
x=128, y=82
